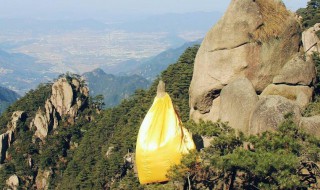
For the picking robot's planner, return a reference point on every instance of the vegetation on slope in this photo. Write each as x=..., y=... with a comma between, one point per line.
x=23, y=146
x=311, y=14
x=116, y=130
x=285, y=159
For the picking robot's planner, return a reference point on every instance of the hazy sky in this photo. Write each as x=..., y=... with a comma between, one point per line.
x=95, y=8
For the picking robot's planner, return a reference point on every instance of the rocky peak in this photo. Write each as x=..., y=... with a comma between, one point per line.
x=68, y=96
x=62, y=96
x=254, y=49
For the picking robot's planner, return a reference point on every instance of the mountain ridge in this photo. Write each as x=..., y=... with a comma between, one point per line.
x=113, y=88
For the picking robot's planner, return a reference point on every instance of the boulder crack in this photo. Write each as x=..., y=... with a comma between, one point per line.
x=230, y=48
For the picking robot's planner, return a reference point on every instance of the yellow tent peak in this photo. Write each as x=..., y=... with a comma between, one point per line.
x=161, y=140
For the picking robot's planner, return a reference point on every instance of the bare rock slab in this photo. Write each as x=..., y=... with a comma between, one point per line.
x=238, y=99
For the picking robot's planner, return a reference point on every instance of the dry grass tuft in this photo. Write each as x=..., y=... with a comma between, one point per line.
x=275, y=18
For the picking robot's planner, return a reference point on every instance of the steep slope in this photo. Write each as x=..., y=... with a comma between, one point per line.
x=113, y=88
x=99, y=162
x=55, y=137
x=7, y=97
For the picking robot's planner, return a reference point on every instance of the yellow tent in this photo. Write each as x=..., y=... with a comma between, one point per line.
x=161, y=140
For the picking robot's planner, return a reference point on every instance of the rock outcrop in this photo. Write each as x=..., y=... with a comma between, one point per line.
x=310, y=40
x=260, y=41
x=13, y=182
x=7, y=138
x=62, y=96
x=42, y=179
x=41, y=124
x=15, y=118
x=66, y=100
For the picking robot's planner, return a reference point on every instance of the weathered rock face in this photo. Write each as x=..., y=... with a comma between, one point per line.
x=41, y=124
x=269, y=112
x=310, y=40
x=258, y=40
x=311, y=125
x=238, y=99
x=51, y=115
x=62, y=96
x=300, y=95
x=13, y=182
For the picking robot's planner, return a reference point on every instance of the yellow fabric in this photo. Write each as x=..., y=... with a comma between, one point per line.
x=161, y=141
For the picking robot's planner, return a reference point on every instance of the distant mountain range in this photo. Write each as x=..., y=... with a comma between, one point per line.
x=20, y=72
x=113, y=88
x=173, y=22
x=7, y=97
x=131, y=75
x=152, y=67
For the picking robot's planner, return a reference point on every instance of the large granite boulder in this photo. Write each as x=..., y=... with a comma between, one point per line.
x=270, y=112
x=41, y=124
x=238, y=99
x=13, y=182
x=247, y=42
x=260, y=41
